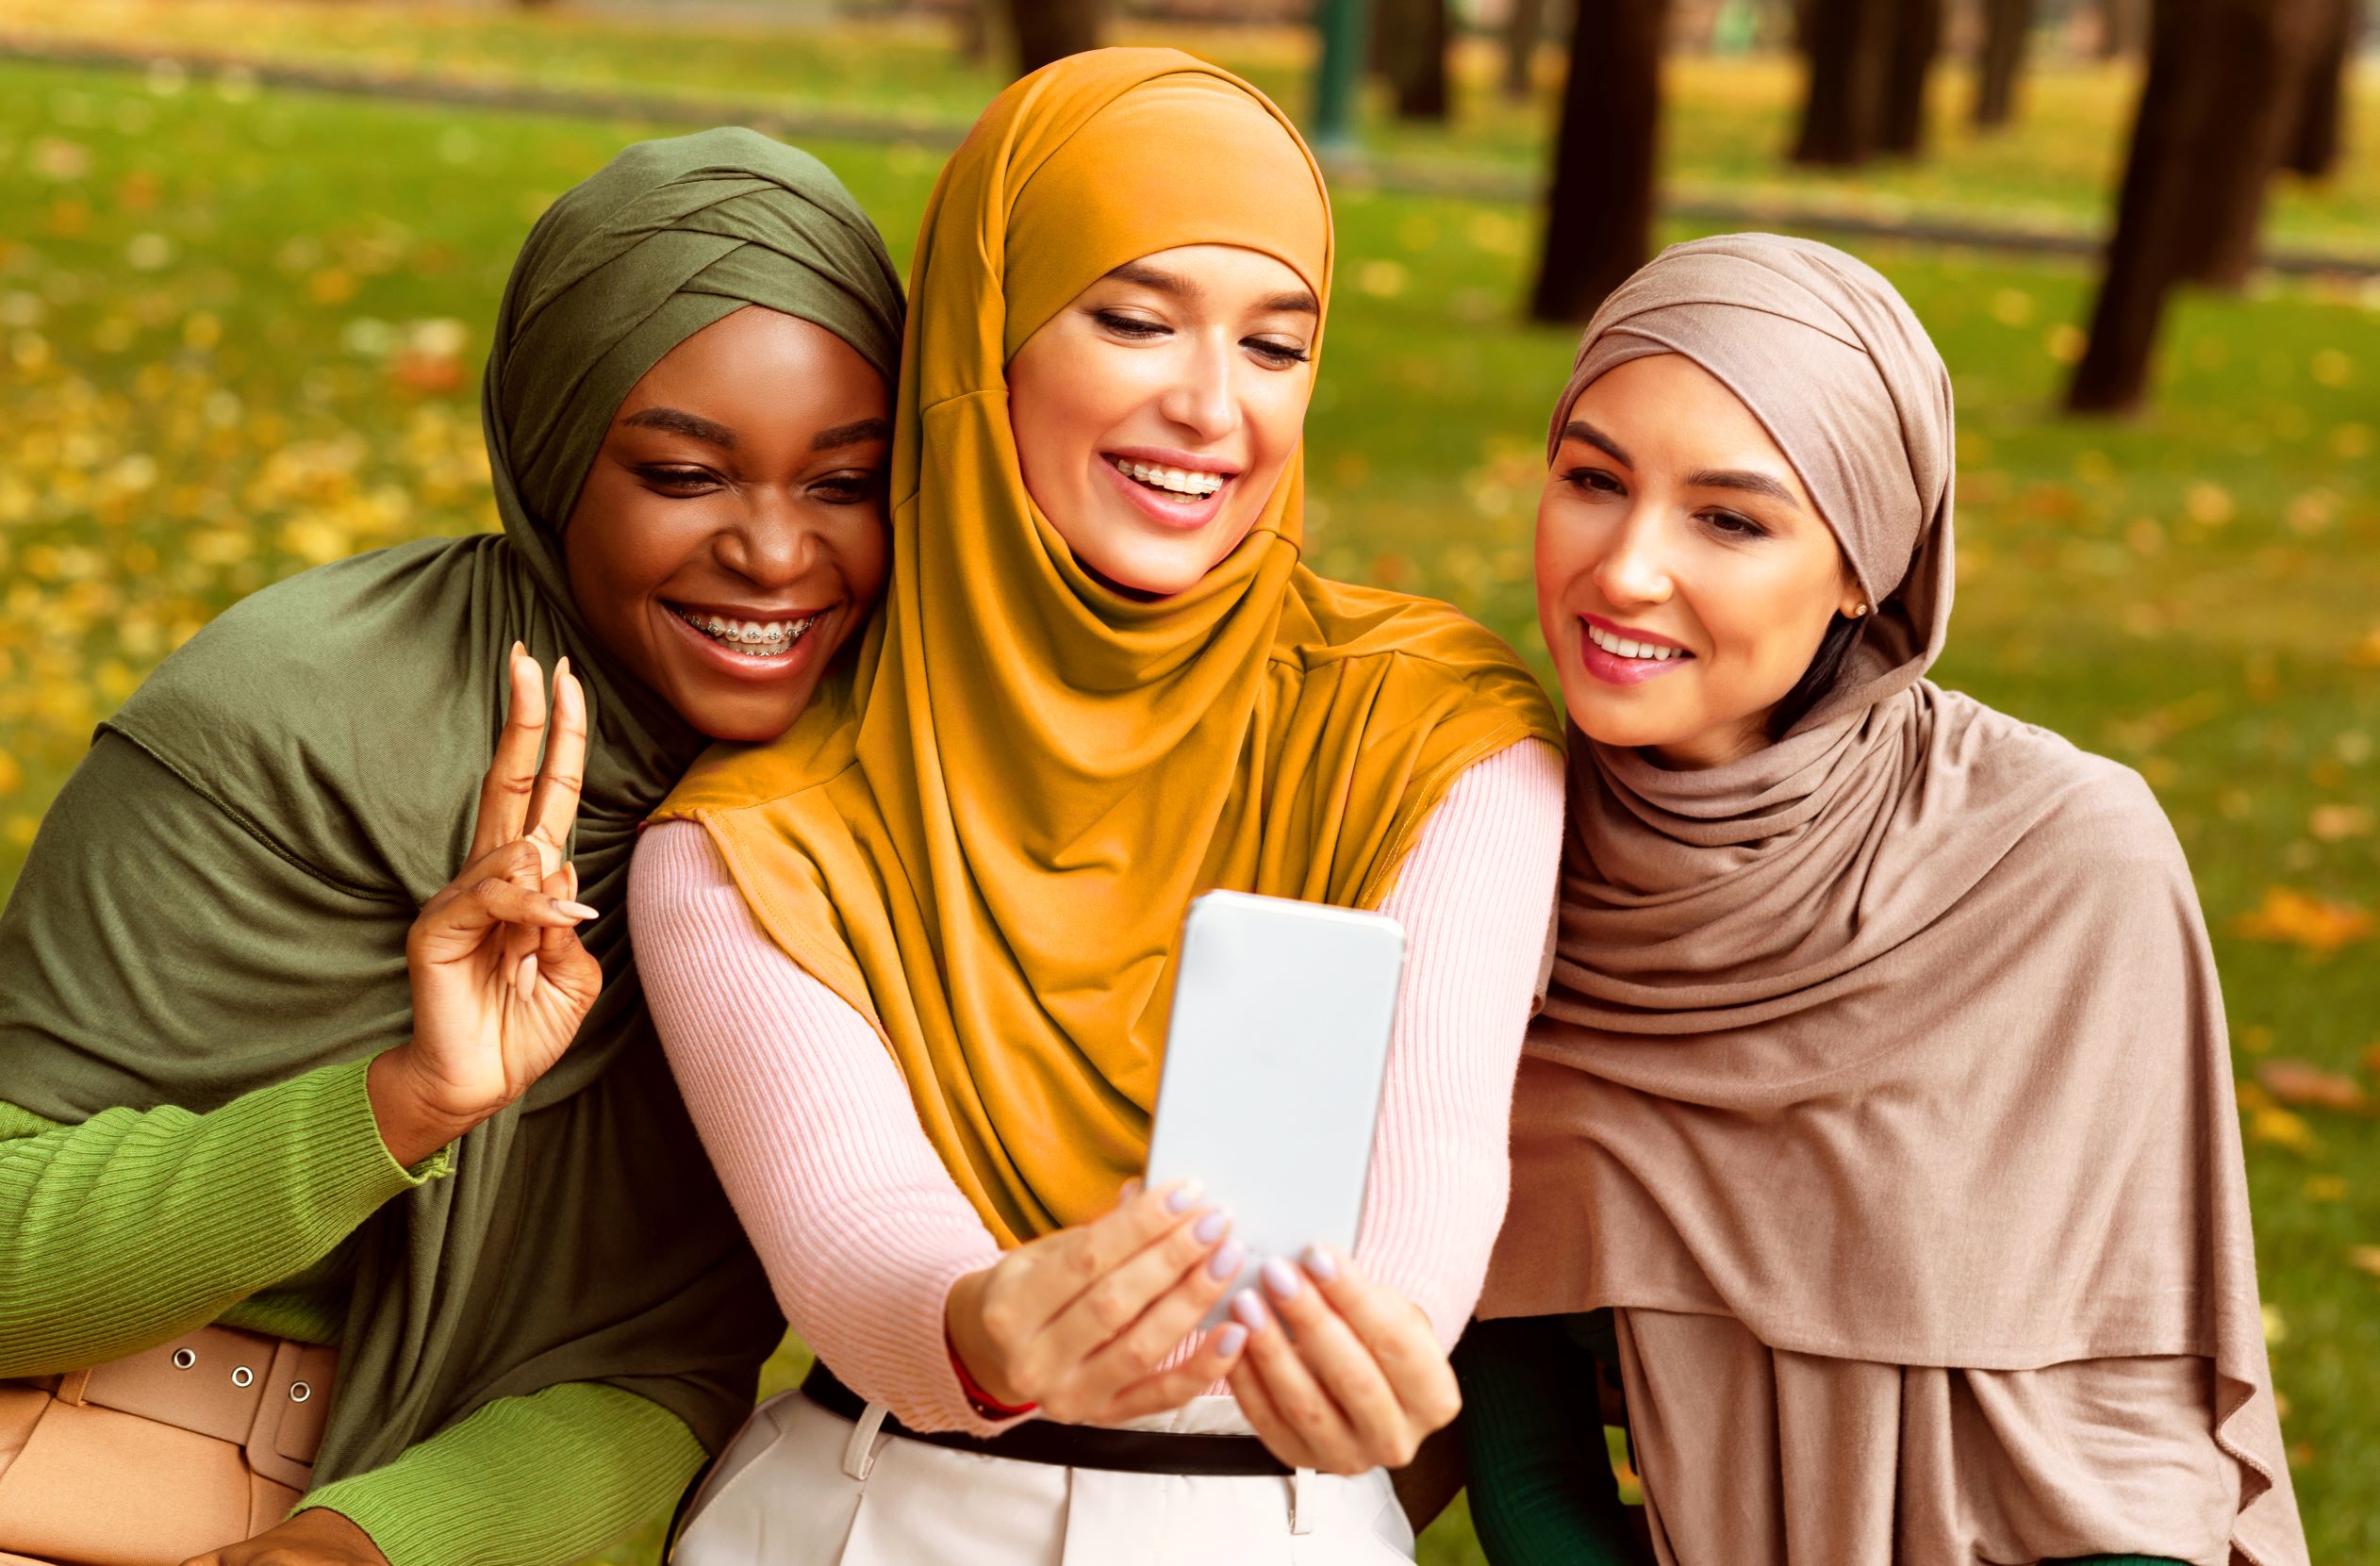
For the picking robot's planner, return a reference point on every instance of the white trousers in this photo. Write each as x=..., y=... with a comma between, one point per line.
x=803, y=1487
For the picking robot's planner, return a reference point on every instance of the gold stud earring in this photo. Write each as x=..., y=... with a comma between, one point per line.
x=1861, y=612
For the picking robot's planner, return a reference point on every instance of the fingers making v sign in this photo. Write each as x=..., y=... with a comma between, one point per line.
x=500, y=980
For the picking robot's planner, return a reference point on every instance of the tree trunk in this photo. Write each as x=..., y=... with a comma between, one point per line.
x=2212, y=111
x=1845, y=40
x=971, y=26
x=1599, y=211
x=1411, y=38
x=2006, y=27
x=1915, y=36
x=1052, y=29
x=1522, y=29
x=2124, y=28
x=2313, y=149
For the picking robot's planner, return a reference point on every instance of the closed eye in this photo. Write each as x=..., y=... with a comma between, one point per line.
x=1277, y=356
x=677, y=480
x=1136, y=328
x=1733, y=525
x=1595, y=481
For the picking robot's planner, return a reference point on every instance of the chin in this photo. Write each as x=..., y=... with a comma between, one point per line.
x=742, y=723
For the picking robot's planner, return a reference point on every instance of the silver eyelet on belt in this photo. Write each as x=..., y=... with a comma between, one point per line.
x=300, y=1392
x=184, y=1358
x=242, y=1375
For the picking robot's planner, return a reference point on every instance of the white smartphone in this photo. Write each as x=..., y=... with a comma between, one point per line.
x=1274, y=1061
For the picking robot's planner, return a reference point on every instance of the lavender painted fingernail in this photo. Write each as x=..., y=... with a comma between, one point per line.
x=1180, y=1198
x=1230, y=1340
x=1321, y=1263
x=1249, y=1310
x=1280, y=1279
x=1211, y=1227
x=1226, y=1262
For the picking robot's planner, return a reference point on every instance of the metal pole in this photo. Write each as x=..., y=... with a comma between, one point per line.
x=1339, y=75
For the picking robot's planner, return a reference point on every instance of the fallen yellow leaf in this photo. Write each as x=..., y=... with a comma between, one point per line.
x=2285, y=1129
x=2364, y=1259
x=2338, y=823
x=2292, y=917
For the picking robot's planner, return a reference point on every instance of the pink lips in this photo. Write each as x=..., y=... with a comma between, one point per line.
x=1612, y=668
x=1183, y=516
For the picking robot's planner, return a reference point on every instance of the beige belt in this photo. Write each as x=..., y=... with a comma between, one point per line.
x=268, y=1395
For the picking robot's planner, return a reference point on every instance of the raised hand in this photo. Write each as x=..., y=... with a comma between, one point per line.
x=316, y=1538
x=1078, y=1321
x=500, y=980
x=1356, y=1379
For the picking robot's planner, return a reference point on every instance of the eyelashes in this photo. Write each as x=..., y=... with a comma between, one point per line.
x=1727, y=526
x=1273, y=355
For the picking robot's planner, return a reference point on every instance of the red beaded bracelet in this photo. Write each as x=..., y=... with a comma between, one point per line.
x=984, y=1403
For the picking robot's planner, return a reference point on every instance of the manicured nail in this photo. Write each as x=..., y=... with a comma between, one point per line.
x=576, y=909
x=519, y=651
x=1321, y=1263
x=524, y=978
x=1280, y=1279
x=1226, y=1262
x=1181, y=1196
x=566, y=694
x=1249, y=1309
x=1230, y=1340
x=1211, y=1227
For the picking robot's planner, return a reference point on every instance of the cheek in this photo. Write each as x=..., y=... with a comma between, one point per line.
x=1764, y=622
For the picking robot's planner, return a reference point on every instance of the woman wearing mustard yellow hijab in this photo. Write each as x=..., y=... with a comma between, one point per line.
x=912, y=961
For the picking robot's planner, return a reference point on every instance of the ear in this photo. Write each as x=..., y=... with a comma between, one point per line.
x=1853, y=603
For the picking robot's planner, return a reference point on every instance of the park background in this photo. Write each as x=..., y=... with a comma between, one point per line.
x=250, y=251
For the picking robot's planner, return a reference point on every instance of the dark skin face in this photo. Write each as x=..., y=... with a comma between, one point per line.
x=741, y=488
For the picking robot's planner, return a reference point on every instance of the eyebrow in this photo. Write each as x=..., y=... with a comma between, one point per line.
x=1294, y=300
x=852, y=434
x=1737, y=479
x=681, y=422
x=1578, y=429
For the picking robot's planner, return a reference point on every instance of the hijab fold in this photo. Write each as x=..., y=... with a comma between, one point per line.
x=985, y=844
x=1898, y=1040
x=337, y=727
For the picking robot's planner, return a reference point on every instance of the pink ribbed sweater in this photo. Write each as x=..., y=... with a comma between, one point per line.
x=813, y=1133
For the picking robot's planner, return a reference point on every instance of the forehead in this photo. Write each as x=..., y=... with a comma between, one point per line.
x=1667, y=410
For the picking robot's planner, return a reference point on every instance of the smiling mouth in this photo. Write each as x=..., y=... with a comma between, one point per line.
x=752, y=638
x=1175, y=484
x=1623, y=646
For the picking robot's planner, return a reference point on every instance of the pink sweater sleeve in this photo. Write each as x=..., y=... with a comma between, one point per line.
x=1476, y=897
x=863, y=1233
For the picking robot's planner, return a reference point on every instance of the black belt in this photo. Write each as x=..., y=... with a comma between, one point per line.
x=1071, y=1445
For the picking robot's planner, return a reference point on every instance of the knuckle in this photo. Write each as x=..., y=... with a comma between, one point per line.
x=1111, y=1309
x=1001, y=1321
x=1080, y=1264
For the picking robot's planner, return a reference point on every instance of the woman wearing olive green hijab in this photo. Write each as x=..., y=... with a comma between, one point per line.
x=912, y=961
x=256, y=1165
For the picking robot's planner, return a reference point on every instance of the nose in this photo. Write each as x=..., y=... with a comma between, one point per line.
x=773, y=545
x=1633, y=571
x=1203, y=400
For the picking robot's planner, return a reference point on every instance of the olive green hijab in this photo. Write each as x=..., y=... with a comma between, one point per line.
x=219, y=899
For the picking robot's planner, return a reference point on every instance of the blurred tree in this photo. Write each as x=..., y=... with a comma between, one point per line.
x=2314, y=142
x=1913, y=38
x=1599, y=211
x=1410, y=40
x=1523, y=27
x=2124, y=28
x=1846, y=42
x=1052, y=29
x=2225, y=85
x=2008, y=26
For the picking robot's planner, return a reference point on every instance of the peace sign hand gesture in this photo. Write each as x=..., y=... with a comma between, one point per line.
x=500, y=980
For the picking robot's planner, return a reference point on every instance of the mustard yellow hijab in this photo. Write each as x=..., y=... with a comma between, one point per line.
x=985, y=842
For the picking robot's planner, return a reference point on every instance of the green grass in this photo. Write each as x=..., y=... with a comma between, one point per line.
x=240, y=333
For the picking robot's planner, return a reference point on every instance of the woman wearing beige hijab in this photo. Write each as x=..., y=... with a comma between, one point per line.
x=1882, y=1112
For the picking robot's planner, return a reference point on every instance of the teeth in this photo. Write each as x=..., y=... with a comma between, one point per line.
x=755, y=638
x=1196, y=485
x=1622, y=647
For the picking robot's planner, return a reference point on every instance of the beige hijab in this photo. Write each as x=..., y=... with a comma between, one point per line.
x=1899, y=1040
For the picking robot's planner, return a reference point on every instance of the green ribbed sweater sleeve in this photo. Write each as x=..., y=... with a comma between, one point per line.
x=137, y=1226
x=544, y=1478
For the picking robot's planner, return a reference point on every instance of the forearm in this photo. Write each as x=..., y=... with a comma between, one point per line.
x=1541, y=1489
x=120, y=1233
x=1475, y=896
x=812, y=1130
x=523, y=1481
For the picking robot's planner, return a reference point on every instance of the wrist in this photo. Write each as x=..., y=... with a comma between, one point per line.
x=972, y=1356
x=412, y=1125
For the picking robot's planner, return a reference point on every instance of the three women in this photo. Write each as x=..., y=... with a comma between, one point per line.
x=1865, y=995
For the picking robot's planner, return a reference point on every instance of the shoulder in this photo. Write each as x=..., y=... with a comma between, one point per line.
x=1426, y=655
x=2075, y=816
